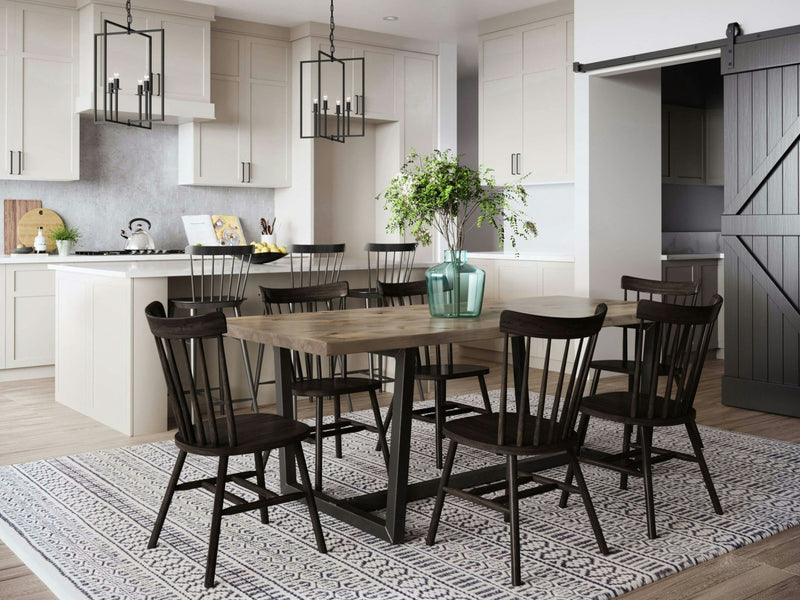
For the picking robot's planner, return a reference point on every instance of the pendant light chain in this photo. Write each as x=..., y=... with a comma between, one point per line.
x=128, y=8
x=333, y=49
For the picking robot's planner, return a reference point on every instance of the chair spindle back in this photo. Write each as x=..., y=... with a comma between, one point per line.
x=222, y=273
x=536, y=424
x=315, y=264
x=390, y=263
x=679, y=335
x=189, y=395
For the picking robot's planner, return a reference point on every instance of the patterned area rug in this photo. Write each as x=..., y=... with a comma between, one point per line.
x=82, y=523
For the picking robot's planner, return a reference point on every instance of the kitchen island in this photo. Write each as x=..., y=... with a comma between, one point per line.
x=106, y=365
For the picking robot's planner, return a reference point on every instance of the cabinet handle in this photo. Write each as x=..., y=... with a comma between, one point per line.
x=11, y=160
x=512, y=164
x=19, y=162
x=242, y=173
x=158, y=75
x=249, y=172
x=519, y=157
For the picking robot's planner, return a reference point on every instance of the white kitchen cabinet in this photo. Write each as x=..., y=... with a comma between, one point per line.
x=525, y=104
x=418, y=103
x=39, y=130
x=185, y=83
x=248, y=143
x=29, y=316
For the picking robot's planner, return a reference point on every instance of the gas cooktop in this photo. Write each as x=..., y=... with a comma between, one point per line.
x=124, y=252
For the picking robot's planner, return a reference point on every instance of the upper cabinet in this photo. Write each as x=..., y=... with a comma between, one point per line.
x=248, y=144
x=525, y=103
x=691, y=145
x=185, y=83
x=39, y=130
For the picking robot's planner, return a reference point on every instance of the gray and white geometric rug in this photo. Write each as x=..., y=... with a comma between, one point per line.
x=81, y=523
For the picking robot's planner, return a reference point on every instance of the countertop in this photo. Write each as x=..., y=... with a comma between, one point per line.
x=500, y=255
x=710, y=256
x=39, y=259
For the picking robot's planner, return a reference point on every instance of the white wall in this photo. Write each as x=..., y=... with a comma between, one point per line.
x=617, y=28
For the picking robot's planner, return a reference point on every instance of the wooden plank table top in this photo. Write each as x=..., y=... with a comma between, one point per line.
x=376, y=329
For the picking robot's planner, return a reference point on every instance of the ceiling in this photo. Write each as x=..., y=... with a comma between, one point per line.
x=439, y=20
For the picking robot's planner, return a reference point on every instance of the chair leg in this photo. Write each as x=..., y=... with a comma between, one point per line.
x=376, y=411
x=443, y=481
x=162, y=513
x=595, y=382
x=646, y=440
x=487, y=405
x=697, y=444
x=337, y=416
x=310, y=502
x=440, y=397
x=420, y=390
x=248, y=369
x=587, y=503
x=318, y=447
x=259, y=463
x=582, y=427
x=626, y=446
x=216, y=521
x=513, y=507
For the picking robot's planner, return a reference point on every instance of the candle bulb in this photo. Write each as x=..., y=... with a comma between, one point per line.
x=146, y=83
x=325, y=103
x=316, y=105
x=338, y=107
x=139, y=87
x=347, y=104
x=116, y=81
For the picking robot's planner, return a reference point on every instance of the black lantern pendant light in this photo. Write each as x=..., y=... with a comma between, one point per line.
x=327, y=79
x=109, y=86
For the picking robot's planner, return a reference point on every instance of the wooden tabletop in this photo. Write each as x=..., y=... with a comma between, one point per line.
x=373, y=329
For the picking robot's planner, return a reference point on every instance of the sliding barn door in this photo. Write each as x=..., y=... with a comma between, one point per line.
x=761, y=223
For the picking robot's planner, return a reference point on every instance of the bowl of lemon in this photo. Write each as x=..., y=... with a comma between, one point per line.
x=266, y=253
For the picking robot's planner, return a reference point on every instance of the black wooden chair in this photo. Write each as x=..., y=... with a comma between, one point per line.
x=218, y=279
x=637, y=288
x=541, y=431
x=436, y=368
x=681, y=334
x=311, y=380
x=201, y=432
x=390, y=263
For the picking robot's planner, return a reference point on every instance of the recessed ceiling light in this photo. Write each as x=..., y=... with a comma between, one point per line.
x=390, y=18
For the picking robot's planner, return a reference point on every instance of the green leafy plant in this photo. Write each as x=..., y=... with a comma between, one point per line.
x=437, y=192
x=64, y=233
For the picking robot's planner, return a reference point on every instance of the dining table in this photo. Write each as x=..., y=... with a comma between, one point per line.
x=401, y=331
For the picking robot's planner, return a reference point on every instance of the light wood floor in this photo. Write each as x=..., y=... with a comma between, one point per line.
x=34, y=427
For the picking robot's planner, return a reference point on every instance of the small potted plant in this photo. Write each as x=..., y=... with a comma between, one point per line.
x=65, y=238
x=437, y=192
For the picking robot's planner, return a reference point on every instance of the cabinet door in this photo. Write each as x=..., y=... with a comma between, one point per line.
x=187, y=53
x=501, y=56
x=49, y=136
x=30, y=316
x=501, y=127
x=267, y=108
x=380, y=77
x=7, y=17
x=419, y=104
x=685, y=145
x=714, y=148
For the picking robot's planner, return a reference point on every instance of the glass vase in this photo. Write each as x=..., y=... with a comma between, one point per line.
x=455, y=287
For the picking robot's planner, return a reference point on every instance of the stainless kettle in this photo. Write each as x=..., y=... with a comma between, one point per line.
x=139, y=238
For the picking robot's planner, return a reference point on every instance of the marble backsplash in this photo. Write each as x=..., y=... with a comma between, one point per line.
x=128, y=173
x=691, y=242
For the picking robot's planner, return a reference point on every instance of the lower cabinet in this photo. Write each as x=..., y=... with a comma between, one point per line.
x=29, y=312
x=709, y=272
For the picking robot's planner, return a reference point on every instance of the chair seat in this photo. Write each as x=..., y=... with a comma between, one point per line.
x=254, y=433
x=621, y=366
x=204, y=303
x=446, y=372
x=616, y=406
x=364, y=293
x=334, y=386
x=480, y=431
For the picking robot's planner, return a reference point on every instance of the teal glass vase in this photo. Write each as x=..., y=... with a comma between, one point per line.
x=455, y=287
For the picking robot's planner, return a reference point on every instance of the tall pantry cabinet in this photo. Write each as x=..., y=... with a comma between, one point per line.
x=526, y=99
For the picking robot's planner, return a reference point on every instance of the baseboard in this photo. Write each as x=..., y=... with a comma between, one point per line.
x=761, y=396
x=27, y=373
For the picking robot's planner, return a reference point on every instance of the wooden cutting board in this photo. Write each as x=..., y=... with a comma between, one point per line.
x=12, y=213
x=29, y=224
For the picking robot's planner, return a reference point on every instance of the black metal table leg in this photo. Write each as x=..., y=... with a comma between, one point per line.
x=284, y=403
